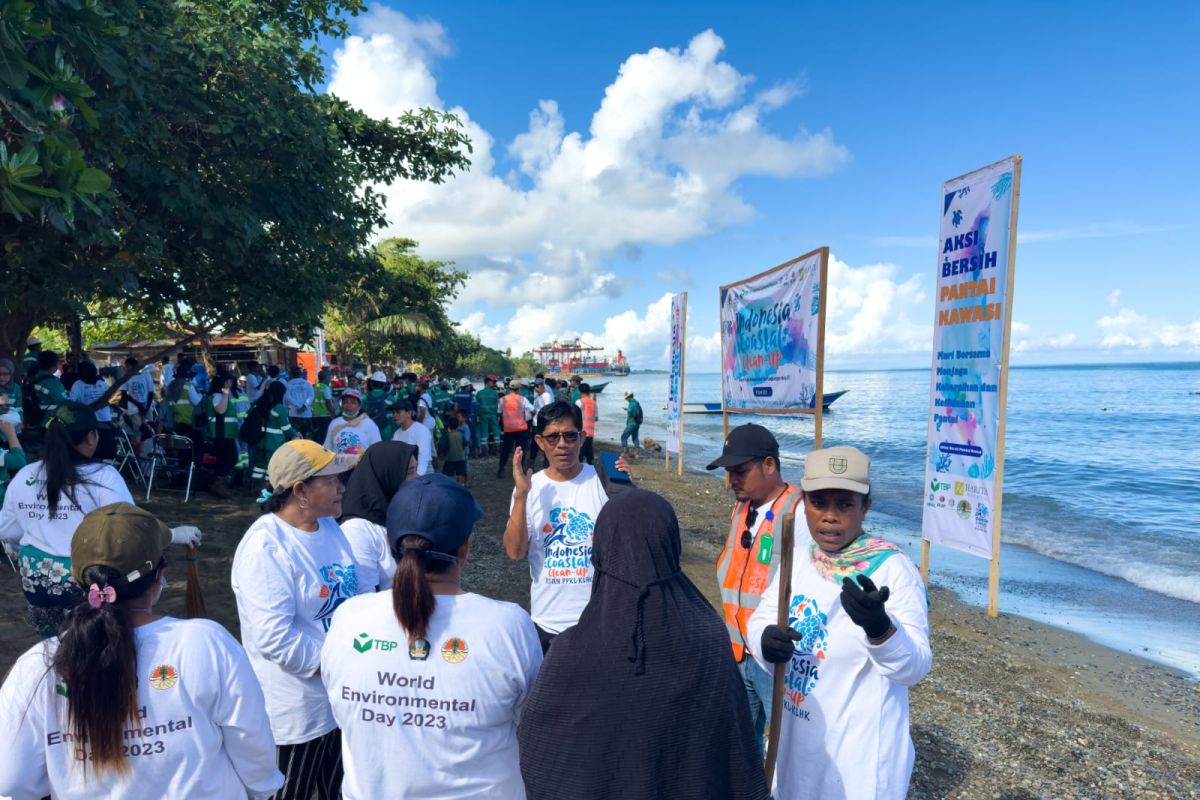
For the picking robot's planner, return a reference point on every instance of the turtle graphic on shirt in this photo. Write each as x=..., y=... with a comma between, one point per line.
x=806, y=618
x=567, y=527
x=338, y=584
x=348, y=442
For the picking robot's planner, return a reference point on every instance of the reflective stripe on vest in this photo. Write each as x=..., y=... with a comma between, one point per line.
x=512, y=418
x=742, y=584
x=232, y=425
x=590, y=415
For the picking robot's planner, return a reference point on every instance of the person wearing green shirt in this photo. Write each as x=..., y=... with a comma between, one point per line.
x=322, y=406
x=489, y=415
x=30, y=364
x=633, y=422
x=48, y=389
x=277, y=427
x=12, y=455
x=574, y=395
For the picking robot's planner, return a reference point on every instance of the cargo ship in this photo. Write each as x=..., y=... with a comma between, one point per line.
x=575, y=357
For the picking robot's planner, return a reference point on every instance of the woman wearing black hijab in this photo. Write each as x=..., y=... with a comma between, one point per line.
x=373, y=483
x=640, y=699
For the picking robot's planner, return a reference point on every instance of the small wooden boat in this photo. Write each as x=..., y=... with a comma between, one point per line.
x=597, y=388
x=715, y=408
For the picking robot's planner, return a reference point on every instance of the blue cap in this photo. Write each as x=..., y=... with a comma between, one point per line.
x=433, y=507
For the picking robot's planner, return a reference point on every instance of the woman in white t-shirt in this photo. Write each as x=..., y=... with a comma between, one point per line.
x=353, y=431
x=128, y=703
x=427, y=682
x=46, y=501
x=291, y=571
x=379, y=474
x=87, y=390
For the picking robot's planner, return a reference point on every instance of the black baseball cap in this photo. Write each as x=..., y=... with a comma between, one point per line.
x=436, y=508
x=746, y=443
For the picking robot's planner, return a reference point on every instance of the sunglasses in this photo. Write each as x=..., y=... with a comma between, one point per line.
x=747, y=536
x=570, y=437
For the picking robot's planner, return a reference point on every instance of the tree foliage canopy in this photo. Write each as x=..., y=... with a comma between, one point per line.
x=182, y=159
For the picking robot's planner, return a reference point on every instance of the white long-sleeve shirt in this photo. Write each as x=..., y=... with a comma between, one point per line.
x=201, y=730
x=288, y=582
x=299, y=398
x=845, y=705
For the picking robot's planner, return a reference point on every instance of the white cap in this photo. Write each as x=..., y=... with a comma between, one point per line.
x=378, y=377
x=464, y=383
x=837, y=468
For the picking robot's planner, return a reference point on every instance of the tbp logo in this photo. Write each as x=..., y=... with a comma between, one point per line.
x=363, y=642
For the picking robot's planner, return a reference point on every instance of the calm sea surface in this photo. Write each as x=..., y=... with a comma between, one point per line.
x=1101, y=524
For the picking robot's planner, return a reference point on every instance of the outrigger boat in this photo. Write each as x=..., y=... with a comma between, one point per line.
x=715, y=408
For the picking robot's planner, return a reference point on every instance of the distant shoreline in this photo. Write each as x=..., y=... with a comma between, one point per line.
x=1076, y=366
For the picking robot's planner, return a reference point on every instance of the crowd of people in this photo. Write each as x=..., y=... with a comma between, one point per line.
x=365, y=670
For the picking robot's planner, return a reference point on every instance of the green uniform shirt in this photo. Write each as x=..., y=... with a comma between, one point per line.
x=12, y=461
x=489, y=402
x=50, y=391
x=232, y=425
x=631, y=413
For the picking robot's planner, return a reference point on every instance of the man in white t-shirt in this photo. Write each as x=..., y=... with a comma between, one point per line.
x=409, y=431
x=551, y=519
x=424, y=408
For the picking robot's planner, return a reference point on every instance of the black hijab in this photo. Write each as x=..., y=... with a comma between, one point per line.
x=642, y=698
x=375, y=480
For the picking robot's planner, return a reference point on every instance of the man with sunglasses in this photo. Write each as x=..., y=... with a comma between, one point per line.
x=750, y=558
x=551, y=519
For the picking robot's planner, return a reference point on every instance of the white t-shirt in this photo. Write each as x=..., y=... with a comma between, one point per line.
x=88, y=393
x=25, y=517
x=299, y=398
x=845, y=704
x=420, y=437
x=430, y=422
x=437, y=723
x=139, y=386
x=559, y=518
x=254, y=386
x=542, y=400
x=352, y=436
x=376, y=565
x=201, y=730
x=288, y=583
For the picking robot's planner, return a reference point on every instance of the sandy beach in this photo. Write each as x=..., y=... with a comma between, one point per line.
x=1012, y=708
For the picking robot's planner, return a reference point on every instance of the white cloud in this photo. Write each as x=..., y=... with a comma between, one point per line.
x=1023, y=340
x=1114, y=299
x=868, y=311
x=673, y=133
x=1129, y=329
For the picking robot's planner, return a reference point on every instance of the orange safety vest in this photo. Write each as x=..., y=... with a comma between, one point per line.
x=591, y=415
x=512, y=416
x=744, y=573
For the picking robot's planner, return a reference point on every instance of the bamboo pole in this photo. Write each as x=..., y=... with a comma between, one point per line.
x=819, y=401
x=781, y=619
x=993, y=609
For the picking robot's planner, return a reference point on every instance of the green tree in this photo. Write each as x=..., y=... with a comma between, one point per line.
x=396, y=308
x=240, y=196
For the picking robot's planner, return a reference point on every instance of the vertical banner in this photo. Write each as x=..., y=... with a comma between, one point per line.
x=319, y=347
x=675, y=387
x=772, y=338
x=969, y=382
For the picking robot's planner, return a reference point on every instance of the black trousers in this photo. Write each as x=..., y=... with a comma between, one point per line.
x=545, y=638
x=586, y=453
x=509, y=442
x=312, y=766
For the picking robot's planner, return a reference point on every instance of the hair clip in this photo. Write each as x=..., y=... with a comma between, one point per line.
x=96, y=596
x=264, y=497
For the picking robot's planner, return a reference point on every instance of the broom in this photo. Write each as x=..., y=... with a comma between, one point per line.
x=785, y=596
x=194, y=598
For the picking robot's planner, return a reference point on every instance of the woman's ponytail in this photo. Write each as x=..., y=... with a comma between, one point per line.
x=412, y=597
x=96, y=662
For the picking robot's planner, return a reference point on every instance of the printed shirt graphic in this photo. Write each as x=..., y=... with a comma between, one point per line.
x=560, y=517
x=26, y=518
x=418, y=724
x=201, y=731
x=843, y=697
x=346, y=438
x=289, y=583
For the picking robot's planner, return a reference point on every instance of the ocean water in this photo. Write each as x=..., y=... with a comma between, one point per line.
x=1101, y=518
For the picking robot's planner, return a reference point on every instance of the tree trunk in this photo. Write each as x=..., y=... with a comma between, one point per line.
x=75, y=337
x=15, y=327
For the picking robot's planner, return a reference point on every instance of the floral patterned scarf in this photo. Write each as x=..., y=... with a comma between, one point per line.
x=861, y=557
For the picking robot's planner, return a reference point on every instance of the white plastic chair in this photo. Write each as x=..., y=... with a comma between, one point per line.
x=174, y=455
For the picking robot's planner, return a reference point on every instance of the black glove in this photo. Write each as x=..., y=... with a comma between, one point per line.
x=865, y=606
x=777, y=643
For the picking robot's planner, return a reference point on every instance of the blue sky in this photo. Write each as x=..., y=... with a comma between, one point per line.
x=626, y=151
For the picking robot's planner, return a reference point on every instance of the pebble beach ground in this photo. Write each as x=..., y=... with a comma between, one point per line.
x=1012, y=709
